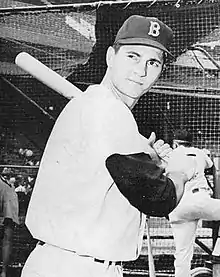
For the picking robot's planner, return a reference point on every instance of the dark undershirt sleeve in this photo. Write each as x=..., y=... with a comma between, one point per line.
x=142, y=182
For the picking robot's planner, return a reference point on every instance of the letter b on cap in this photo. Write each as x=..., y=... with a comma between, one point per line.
x=154, y=29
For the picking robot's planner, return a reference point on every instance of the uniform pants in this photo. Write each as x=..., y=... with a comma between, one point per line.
x=184, y=221
x=50, y=261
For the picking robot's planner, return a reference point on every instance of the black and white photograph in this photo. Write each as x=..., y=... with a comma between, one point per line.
x=109, y=138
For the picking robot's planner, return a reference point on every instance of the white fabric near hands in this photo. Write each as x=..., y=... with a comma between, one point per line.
x=193, y=206
x=202, y=162
x=180, y=162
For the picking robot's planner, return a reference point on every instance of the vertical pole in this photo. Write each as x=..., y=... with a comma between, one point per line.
x=167, y=122
x=216, y=229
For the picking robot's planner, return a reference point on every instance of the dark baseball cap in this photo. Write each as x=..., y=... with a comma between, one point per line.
x=148, y=31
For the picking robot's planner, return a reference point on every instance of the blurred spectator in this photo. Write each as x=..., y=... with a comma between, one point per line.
x=9, y=214
x=196, y=203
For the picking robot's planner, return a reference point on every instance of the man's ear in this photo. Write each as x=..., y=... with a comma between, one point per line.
x=110, y=55
x=164, y=68
x=175, y=145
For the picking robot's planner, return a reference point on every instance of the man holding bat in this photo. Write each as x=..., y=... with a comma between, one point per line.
x=98, y=176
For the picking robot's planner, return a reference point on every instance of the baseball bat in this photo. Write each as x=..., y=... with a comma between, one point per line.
x=46, y=75
x=150, y=252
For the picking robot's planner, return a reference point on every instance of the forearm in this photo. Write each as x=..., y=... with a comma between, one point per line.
x=142, y=182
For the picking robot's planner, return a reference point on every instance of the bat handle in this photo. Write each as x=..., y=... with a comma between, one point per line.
x=150, y=252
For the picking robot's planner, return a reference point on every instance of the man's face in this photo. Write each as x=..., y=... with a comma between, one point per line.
x=134, y=68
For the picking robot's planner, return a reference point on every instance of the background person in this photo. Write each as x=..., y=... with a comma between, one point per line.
x=195, y=204
x=9, y=213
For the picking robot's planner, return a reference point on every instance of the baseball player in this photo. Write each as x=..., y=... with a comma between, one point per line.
x=195, y=204
x=98, y=174
x=9, y=213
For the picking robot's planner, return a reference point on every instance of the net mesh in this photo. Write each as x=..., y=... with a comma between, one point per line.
x=72, y=40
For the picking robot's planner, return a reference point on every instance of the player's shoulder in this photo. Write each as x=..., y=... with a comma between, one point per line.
x=101, y=100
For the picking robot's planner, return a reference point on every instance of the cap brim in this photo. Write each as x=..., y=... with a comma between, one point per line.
x=144, y=41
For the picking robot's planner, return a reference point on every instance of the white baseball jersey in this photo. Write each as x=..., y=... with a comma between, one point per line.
x=202, y=162
x=75, y=204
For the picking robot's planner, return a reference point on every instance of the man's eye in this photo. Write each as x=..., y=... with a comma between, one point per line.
x=133, y=57
x=153, y=63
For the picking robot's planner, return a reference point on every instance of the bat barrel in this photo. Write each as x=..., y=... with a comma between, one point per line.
x=46, y=75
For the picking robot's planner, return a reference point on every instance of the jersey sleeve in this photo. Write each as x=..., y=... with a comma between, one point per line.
x=111, y=128
x=142, y=182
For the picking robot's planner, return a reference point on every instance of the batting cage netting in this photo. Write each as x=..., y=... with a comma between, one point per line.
x=72, y=40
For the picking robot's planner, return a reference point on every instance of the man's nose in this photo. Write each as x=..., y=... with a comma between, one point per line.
x=141, y=69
